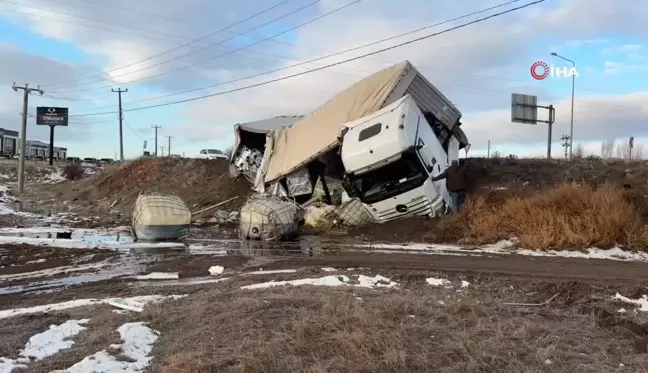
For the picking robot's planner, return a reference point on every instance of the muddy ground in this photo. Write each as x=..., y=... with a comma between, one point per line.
x=496, y=313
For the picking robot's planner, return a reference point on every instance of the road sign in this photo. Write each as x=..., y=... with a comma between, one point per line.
x=524, y=108
x=51, y=116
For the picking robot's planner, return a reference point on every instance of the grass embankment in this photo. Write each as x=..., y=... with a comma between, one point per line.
x=569, y=216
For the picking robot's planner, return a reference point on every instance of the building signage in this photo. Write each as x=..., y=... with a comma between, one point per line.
x=52, y=116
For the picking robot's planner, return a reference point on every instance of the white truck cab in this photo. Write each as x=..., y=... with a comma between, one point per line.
x=390, y=158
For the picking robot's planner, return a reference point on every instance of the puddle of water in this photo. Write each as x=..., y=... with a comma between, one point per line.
x=126, y=266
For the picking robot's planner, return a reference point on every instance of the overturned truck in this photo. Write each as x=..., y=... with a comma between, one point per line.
x=385, y=137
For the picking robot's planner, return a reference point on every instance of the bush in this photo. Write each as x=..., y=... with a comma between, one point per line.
x=571, y=216
x=73, y=171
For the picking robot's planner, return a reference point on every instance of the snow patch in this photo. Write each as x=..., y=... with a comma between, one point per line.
x=36, y=261
x=377, y=281
x=437, y=281
x=85, y=244
x=138, y=340
x=45, y=344
x=363, y=281
x=186, y=282
x=643, y=301
x=159, y=276
x=55, y=339
x=216, y=270
x=507, y=247
x=271, y=272
x=465, y=284
x=329, y=269
x=145, y=299
x=53, y=271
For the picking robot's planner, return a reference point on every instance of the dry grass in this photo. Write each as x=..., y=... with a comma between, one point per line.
x=568, y=216
x=330, y=330
x=73, y=171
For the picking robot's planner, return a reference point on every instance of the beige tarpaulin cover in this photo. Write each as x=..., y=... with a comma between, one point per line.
x=318, y=132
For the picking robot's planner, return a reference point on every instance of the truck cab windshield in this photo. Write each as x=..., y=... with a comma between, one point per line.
x=390, y=180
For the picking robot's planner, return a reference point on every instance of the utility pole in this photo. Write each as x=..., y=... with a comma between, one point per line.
x=23, y=136
x=169, y=148
x=488, y=154
x=119, y=92
x=162, y=150
x=156, y=133
x=566, y=144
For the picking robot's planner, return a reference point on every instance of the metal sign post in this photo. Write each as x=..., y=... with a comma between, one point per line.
x=52, y=117
x=524, y=109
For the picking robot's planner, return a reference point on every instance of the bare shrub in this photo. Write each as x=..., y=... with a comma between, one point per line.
x=571, y=216
x=73, y=171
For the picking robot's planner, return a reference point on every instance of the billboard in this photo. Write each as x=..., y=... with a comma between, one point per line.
x=52, y=116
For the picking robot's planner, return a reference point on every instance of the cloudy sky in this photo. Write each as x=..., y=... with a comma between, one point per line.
x=170, y=51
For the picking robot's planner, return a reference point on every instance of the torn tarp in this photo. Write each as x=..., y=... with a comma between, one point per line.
x=319, y=132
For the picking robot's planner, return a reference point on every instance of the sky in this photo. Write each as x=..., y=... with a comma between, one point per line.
x=164, y=52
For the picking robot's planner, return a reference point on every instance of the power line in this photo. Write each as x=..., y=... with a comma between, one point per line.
x=332, y=64
x=87, y=26
x=134, y=11
x=219, y=55
x=189, y=43
x=95, y=20
x=320, y=58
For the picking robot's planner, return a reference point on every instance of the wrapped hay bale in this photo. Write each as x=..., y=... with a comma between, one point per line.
x=158, y=217
x=266, y=217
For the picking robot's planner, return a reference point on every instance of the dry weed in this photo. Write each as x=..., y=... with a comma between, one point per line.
x=330, y=330
x=568, y=216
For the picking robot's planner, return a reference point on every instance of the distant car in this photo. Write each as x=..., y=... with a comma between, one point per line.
x=106, y=161
x=73, y=159
x=175, y=156
x=90, y=160
x=212, y=154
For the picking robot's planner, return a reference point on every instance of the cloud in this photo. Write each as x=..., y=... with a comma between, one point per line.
x=595, y=118
x=477, y=67
x=615, y=68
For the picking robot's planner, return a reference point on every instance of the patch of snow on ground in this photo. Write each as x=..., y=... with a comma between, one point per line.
x=465, y=284
x=437, y=281
x=615, y=253
x=83, y=244
x=138, y=340
x=643, y=301
x=363, y=281
x=159, y=276
x=45, y=344
x=375, y=282
x=8, y=365
x=272, y=272
x=5, y=314
x=216, y=270
x=185, y=282
x=329, y=269
x=36, y=261
x=506, y=247
x=322, y=281
x=53, y=271
x=55, y=339
x=55, y=176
